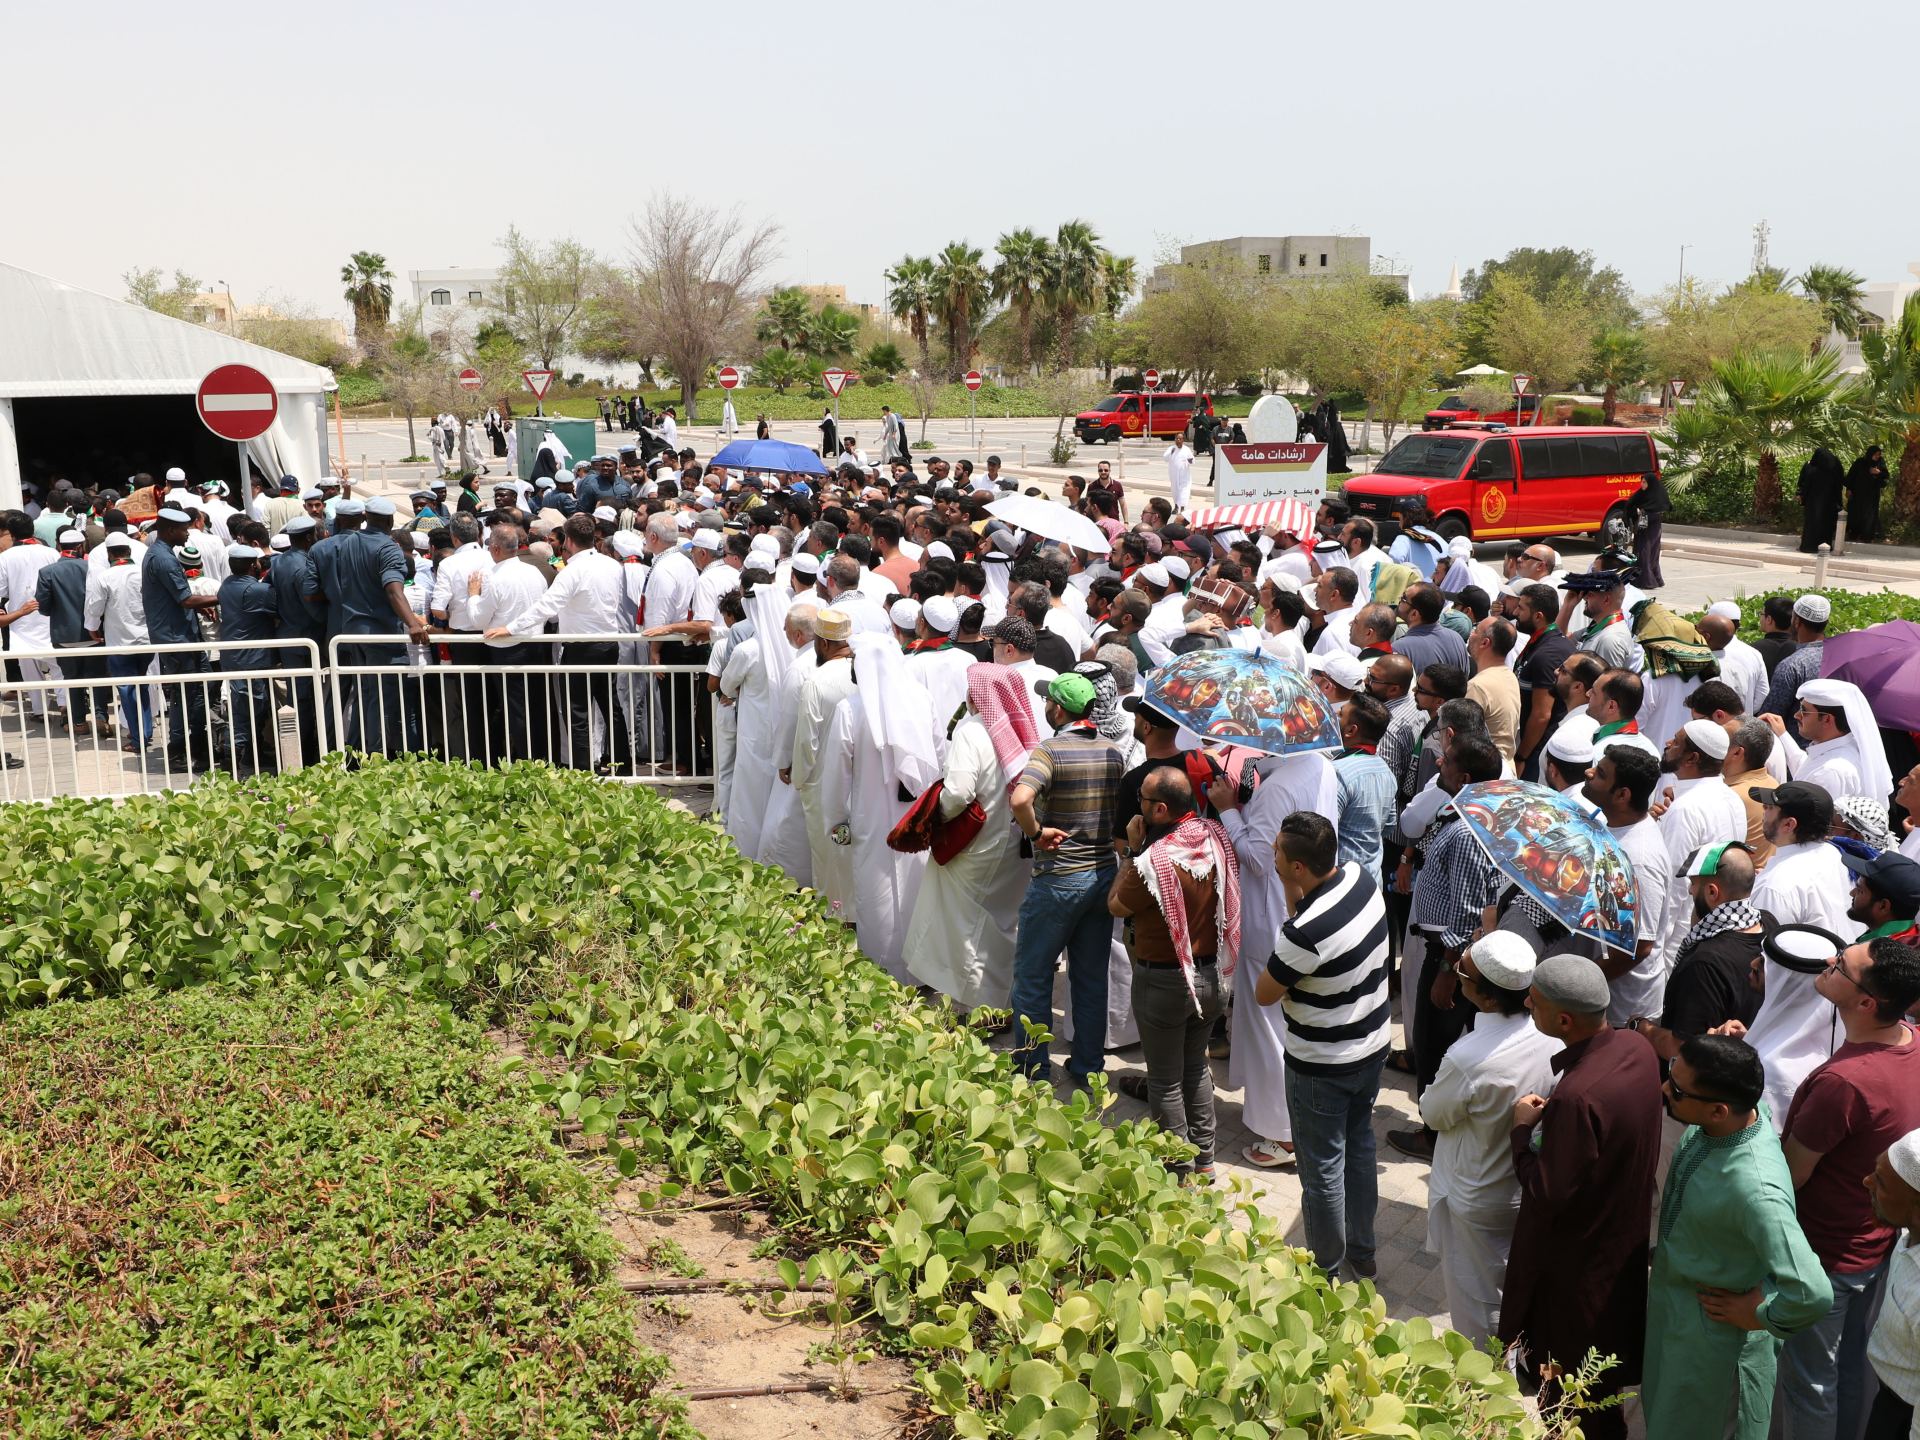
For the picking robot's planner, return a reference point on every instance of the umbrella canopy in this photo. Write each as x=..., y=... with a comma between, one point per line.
x=1245, y=699
x=1295, y=517
x=769, y=455
x=1479, y=370
x=1559, y=854
x=1884, y=661
x=1050, y=520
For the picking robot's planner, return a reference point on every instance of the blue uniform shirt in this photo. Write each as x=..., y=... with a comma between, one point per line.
x=248, y=611
x=164, y=592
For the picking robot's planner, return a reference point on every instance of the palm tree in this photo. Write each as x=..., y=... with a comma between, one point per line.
x=370, y=292
x=1074, y=283
x=788, y=315
x=910, y=298
x=961, y=290
x=1018, y=279
x=1763, y=406
x=779, y=369
x=1118, y=277
x=1619, y=358
x=1893, y=377
x=1838, y=293
x=833, y=334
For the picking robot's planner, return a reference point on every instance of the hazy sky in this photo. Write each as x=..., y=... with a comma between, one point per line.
x=261, y=143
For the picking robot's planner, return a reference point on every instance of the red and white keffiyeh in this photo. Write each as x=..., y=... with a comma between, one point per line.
x=1200, y=847
x=999, y=697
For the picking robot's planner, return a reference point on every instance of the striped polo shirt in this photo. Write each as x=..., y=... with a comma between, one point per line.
x=1332, y=957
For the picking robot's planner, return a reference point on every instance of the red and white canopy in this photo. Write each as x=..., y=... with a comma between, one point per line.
x=1295, y=516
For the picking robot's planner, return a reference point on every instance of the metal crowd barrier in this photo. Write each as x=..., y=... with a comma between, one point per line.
x=112, y=720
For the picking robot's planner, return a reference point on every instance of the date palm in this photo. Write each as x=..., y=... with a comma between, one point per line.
x=1619, y=358
x=787, y=320
x=1765, y=406
x=1074, y=280
x=832, y=334
x=1838, y=293
x=370, y=292
x=1019, y=278
x=1893, y=376
x=910, y=298
x=1118, y=278
x=961, y=290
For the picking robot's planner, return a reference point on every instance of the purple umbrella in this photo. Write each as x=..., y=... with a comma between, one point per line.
x=1884, y=661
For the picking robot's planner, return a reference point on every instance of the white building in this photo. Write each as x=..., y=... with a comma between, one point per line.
x=454, y=299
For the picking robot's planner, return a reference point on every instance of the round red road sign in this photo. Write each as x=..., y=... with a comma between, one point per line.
x=237, y=402
x=728, y=377
x=469, y=379
x=973, y=379
x=1150, y=379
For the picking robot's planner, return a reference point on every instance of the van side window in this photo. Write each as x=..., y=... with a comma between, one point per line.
x=1494, y=462
x=1174, y=402
x=1635, y=457
x=1550, y=458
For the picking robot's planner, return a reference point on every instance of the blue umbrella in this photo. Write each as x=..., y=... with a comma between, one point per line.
x=1555, y=849
x=1244, y=699
x=769, y=455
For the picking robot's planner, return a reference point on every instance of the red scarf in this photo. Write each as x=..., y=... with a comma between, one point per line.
x=1379, y=647
x=1200, y=847
x=1618, y=727
x=930, y=644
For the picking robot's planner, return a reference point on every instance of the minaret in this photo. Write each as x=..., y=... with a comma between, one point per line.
x=1452, y=292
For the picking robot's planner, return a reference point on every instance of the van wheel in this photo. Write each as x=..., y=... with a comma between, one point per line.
x=1452, y=528
x=1110, y=436
x=1617, y=528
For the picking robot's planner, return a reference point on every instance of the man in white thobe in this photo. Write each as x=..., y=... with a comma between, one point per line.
x=728, y=420
x=807, y=770
x=783, y=832
x=749, y=684
x=939, y=665
x=1179, y=458
x=1473, y=1195
x=1702, y=811
x=1741, y=666
x=1844, y=754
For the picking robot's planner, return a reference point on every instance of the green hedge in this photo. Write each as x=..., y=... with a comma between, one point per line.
x=297, y=1214
x=1046, y=1271
x=1852, y=610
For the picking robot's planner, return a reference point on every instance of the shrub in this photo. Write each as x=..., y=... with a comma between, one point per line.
x=1724, y=497
x=359, y=387
x=1586, y=415
x=1852, y=610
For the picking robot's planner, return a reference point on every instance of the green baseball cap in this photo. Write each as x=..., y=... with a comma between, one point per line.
x=1072, y=693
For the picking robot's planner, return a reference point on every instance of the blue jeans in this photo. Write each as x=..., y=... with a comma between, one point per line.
x=135, y=712
x=1065, y=912
x=1334, y=1149
x=1826, y=1386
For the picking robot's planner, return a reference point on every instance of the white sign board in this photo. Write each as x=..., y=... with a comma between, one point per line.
x=1248, y=474
x=1273, y=421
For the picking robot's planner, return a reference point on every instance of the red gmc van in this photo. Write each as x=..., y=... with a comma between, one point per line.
x=1491, y=483
x=1120, y=416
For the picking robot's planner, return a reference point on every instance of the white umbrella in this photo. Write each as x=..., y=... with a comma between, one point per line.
x=1478, y=370
x=1050, y=520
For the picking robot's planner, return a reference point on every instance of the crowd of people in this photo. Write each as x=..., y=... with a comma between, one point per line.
x=947, y=727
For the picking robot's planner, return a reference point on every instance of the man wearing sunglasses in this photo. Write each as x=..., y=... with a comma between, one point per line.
x=1733, y=1275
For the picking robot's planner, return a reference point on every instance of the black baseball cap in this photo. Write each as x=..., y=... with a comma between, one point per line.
x=1140, y=705
x=1895, y=876
x=1811, y=805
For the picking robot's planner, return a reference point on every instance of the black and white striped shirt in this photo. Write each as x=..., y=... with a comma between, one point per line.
x=1332, y=957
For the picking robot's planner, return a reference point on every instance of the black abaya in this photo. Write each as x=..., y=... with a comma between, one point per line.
x=1820, y=481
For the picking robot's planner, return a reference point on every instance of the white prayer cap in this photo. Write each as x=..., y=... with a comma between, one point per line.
x=1814, y=609
x=70, y=537
x=176, y=476
x=629, y=544
x=805, y=564
x=118, y=541
x=1726, y=610
x=939, y=550
x=1904, y=1156
x=941, y=614
x=1155, y=574
x=709, y=539
x=1504, y=959
x=1708, y=738
x=607, y=513
x=419, y=540
x=1286, y=580
x=1177, y=567
x=905, y=614
x=282, y=541
x=1572, y=742
x=764, y=542
x=683, y=520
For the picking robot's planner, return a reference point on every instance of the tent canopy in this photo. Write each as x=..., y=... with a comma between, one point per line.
x=60, y=340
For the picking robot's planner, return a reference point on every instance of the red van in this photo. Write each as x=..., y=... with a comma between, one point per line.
x=1126, y=415
x=1491, y=483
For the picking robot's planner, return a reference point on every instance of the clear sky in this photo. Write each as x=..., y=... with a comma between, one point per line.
x=260, y=144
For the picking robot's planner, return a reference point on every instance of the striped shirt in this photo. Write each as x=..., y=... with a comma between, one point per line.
x=1075, y=777
x=1332, y=957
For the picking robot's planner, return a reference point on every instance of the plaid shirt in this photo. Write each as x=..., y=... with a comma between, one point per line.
x=1455, y=882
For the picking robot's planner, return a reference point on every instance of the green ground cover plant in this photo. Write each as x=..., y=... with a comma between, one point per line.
x=299, y=1213
x=1852, y=610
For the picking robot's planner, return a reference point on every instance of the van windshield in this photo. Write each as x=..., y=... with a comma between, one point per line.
x=1113, y=402
x=1429, y=457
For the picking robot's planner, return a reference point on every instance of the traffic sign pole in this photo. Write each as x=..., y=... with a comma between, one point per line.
x=1150, y=380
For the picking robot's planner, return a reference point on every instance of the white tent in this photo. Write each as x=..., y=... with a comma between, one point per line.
x=60, y=342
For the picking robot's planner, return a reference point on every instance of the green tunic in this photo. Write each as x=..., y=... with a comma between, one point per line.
x=1727, y=1222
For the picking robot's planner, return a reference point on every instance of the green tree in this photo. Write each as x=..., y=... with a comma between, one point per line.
x=1019, y=279
x=1893, y=389
x=1209, y=323
x=1399, y=349
x=544, y=290
x=1548, y=337
x=961, y=289
x=1118, y=280
x=1543, y=272
x=417, y=374
x=910, y=298
x=1838, y=293
x=148, y=288
x=883, y=358
x=1074, y=280
x=1694, y=326
x=780, y=369
x=1619, y=357
x=788, y=319
x=1766, y=407
x=832, y=333
x=370, y=292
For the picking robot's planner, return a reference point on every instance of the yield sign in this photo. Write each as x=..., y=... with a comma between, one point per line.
x=1675, y=386
x=537, y=381
x=972, y=379
x=1520, y=383
x=1150, y=379
x=237, y=402
x=728, y=377
x=835, y=379
x=469, y=379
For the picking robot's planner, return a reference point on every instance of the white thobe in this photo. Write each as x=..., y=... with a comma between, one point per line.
x=1179, y=474
x=861, y=790
x=1641, y=990
x=960, y=939
x=1663, y=708
x=1335, y=635
x=943, y=675
x=1029, y=672
x=1910, y=847
x=745, y=682
x=783, y=830
x=1806, y=884
x=1745, y=669
x=1166, y=622
x=1704, y=812
x=820, y=695
x=1833, y=765
x=1062, y=622
x=1258, y=1064
x=1473, y=1195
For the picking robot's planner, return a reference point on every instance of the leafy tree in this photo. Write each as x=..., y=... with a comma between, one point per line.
x=1548, y=337
x=1074, y=280
x=1399, y=348
x=146, y=287
x=1545, y=272
x=1893, y=379
x=544, y=289
x=1019, y=279
x=1693, y=327
x=1209, y=323
x=961, y=289
x=1838, y=293
x=1318, y=332
x=370, y=292
x=780, y=369
x=1766, y=407
x=1619, y=357
x=883, y=358
x=910, y=298
x=418, y=375
x=787, y=320
x=1767, y=280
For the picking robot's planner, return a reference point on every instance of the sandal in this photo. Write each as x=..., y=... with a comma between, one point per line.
x=1268, y=1154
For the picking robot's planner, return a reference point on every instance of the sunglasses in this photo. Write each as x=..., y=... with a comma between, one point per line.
x=1679, y=1094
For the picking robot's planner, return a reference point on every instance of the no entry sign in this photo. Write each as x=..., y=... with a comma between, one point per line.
x=835, y=379
x=972, y=379
x=469, y=379
x=1150, y=379
x=728, y=377
x=237, y=402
